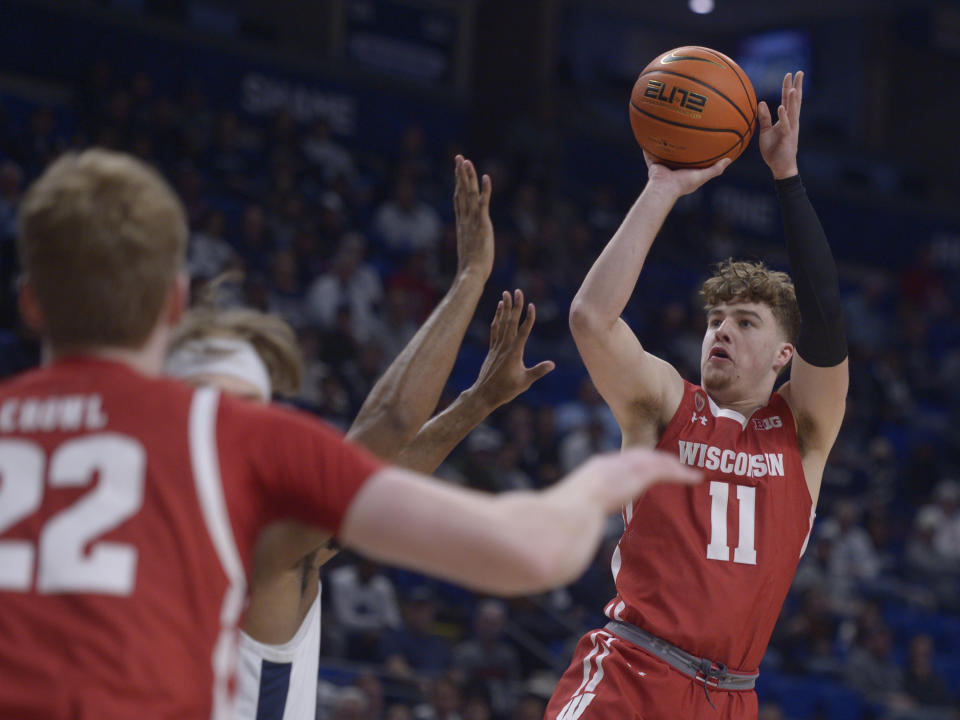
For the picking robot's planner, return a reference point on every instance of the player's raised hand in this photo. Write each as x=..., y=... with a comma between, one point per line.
x=503, y=375
x=778, y=141
x=620, y=477
x=684, y=181
x=471, y=205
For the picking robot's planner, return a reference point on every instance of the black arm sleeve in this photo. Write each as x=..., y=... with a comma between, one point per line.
x=822, y=341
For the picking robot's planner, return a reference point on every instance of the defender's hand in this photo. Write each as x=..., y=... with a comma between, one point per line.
x=778, y=142
x=503, y=375
x=471, y=204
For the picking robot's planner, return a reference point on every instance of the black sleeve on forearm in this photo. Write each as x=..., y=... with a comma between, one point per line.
x=822, y=341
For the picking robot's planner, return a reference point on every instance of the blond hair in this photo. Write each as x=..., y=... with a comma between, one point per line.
x=101, y=239
x=273, y=339
x=740, y=281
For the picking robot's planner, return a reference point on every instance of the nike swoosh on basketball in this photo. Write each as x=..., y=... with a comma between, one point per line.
x=671, y=58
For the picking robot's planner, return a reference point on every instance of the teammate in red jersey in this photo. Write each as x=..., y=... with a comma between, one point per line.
x=701, y=572
x=130, y=503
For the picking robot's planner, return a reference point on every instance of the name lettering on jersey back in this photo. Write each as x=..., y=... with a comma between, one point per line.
x=711, y=457
x=66, y=413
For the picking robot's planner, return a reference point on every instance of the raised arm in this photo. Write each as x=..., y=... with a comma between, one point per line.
x=502, y=377
x=408, y=392
x=509, y=544
x=642, y=390
x=819, y=376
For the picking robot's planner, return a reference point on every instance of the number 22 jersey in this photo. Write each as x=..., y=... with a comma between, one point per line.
x=129, y=508
x=708, y=567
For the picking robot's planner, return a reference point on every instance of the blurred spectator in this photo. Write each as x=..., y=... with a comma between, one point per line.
x=854, y=557
x=349, y=282
x=361, y=375
x=925, y=564
x=285, y=296
x=413, y=278
x=209, y=254
x=806, y=639
x=255, y=244
x=372, y=689
x=405, y=223
x=364, y=606
x=485, y=659
x=350, y=704
x=443, y=701
x=529, y=707
x=582, y=443
x=476, y=704
x=415, y=648
x=507, y=468
x=920, y=683
x=323, y=152
x=475, y=466
x=945, y=513
x=398, y=711
x=398, y=325
x=867, y=313
x=871, y=670
x=587, y=406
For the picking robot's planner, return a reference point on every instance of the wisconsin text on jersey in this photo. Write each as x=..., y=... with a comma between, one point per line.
x=49, y=414
x=730, y=462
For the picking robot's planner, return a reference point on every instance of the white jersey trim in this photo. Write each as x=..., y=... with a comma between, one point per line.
x=301, y=652
x=205, y=462
x=593, y=674
x=288, y=651
x=718, y=411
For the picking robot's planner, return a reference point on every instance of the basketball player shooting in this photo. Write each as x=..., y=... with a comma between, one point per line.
x=702, y=572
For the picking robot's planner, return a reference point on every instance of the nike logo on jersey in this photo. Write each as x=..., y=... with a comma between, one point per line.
x=710, y=457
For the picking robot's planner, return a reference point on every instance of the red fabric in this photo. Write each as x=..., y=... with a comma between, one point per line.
x=146, y=653
x=719, y=609
x=610, y=679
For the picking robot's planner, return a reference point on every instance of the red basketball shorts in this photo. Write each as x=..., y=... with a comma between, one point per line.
x=612, y=679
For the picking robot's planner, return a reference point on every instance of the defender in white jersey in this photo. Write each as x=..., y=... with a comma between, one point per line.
x=253, y=355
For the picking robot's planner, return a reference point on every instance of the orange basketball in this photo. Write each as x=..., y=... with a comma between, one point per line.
x=693, y=106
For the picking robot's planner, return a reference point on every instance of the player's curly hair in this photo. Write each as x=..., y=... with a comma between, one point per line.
x=273, y=339
x=737, y=280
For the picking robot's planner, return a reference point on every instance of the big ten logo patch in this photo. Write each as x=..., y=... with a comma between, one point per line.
x=699, y=402
x=681, y=99
x=769, y=423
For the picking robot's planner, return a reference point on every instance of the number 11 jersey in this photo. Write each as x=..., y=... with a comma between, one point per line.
x=708, y=567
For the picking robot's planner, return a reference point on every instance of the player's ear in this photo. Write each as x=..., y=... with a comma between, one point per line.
x=29, y=307
x=178, y=299
x=784, y=355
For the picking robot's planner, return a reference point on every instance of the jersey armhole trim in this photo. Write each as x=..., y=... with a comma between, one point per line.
x=205, y=464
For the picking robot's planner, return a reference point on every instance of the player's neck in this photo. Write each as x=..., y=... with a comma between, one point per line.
x=147, y=359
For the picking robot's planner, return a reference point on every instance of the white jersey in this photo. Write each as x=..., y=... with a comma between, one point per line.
x=279, y=682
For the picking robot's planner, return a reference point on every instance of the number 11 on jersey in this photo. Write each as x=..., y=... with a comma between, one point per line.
x=745, y=553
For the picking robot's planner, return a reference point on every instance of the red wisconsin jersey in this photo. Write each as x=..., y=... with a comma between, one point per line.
x=129, y=507
x=707, y=567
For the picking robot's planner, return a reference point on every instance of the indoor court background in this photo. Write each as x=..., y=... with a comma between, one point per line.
x=312, y=143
